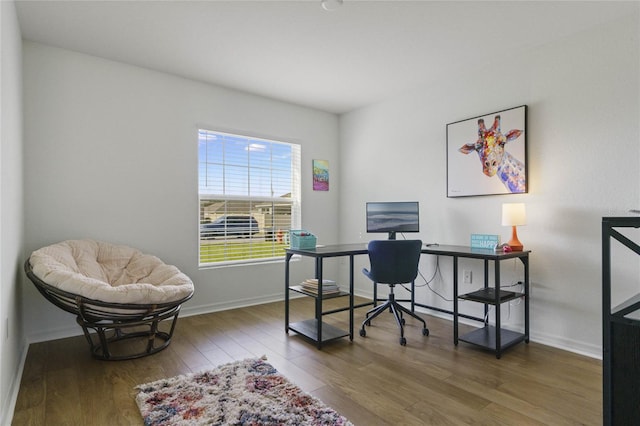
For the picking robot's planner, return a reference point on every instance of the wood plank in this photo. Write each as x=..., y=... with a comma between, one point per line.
x=372, y=380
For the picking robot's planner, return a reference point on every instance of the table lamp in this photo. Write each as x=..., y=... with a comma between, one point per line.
x=513, y=214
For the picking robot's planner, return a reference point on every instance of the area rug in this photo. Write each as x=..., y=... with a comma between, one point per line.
x=248, y=392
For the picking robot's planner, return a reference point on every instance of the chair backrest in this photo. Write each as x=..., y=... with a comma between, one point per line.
x=394, y=261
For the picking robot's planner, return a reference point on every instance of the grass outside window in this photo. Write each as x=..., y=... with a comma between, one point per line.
x=215, y=252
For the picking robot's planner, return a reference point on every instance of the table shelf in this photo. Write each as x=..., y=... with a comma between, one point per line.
x=302, y=290
x=487, y=295
x=309, y=328
x=485, y=337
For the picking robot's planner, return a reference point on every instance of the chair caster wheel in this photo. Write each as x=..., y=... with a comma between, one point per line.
x=363, y=333
x=403, y=341
x=368, y=323
x=425, y=331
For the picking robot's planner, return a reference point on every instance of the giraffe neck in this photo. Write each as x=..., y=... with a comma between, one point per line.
x=511, y=173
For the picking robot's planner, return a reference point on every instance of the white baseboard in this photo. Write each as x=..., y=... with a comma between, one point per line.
x=9, y=405
x=74, y=329
x=234, y=304
x=59, y=333
x=559, y=342
x=575, y=346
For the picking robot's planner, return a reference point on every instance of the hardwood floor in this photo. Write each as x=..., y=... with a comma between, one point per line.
x=371, y=381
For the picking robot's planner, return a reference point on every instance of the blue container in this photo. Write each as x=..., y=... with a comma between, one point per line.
x=301, y=239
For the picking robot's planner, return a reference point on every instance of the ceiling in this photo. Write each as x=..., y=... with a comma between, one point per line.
x=297, y=52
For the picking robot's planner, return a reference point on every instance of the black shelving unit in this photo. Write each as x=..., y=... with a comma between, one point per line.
x=315, y=328
x=620, y=334
x=491, y=337
x=309, y=328
x=488, y=335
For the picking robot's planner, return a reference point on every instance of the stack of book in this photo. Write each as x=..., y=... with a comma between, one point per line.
x=328, y=286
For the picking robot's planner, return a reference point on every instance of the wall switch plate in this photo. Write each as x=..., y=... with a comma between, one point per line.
x=466, y=276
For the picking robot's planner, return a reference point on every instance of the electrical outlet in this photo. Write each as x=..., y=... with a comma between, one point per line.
x=466, y=276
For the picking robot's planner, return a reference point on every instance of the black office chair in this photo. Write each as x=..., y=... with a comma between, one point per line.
x=393, y=262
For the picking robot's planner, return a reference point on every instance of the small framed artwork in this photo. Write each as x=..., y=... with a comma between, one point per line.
x=487, y=155
x=320, y=175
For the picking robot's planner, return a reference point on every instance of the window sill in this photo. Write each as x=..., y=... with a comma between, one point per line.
x=248, y=262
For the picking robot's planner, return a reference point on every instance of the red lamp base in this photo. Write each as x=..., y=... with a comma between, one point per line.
x=514, y=243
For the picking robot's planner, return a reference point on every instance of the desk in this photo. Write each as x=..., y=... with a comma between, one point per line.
x=490, y=337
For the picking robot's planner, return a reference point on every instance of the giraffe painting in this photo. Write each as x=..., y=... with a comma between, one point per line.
x=497, y=162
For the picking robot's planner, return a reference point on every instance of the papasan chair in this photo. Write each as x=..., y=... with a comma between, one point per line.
x=121, y=294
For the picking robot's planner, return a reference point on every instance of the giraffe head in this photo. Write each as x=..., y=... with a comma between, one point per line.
x=490, y=145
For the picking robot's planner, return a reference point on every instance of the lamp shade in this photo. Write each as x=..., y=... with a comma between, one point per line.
x=513, y=214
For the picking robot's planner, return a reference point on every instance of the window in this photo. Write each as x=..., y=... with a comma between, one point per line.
x=249, y=190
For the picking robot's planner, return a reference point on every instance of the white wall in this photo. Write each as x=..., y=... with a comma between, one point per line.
x=111, y=154
x=12, y=343
x=584, y=163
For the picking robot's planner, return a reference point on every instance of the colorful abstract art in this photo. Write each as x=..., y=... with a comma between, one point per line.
x=320, y=175
x=502, y=154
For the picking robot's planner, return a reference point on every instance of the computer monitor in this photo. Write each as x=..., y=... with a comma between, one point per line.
x=392, y=217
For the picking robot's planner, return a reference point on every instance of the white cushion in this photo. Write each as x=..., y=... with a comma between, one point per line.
x=109, y=273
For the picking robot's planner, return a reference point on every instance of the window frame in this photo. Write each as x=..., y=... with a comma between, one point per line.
x=291, y=201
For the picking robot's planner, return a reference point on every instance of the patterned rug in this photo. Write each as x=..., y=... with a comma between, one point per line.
x=248, y=392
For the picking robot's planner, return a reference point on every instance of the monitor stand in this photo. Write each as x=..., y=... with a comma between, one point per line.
x=392, y=235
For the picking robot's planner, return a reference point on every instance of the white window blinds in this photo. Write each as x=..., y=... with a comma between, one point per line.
x=249, y=190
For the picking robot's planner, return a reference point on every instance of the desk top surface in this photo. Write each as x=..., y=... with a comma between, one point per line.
x=332, y=250
x=466, y=251
x=335, y=250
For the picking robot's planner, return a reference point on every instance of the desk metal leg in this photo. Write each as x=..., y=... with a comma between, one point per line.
x=497, y=307
x=319, y=301
x=286, y=292
x=486, y=284
x=525, y=261
x=455, y=300
x=351, y=297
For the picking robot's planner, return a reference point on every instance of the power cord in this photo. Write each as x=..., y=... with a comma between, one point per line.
x=427, y=282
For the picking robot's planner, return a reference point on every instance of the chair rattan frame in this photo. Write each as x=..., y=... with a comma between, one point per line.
x=114, y=322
